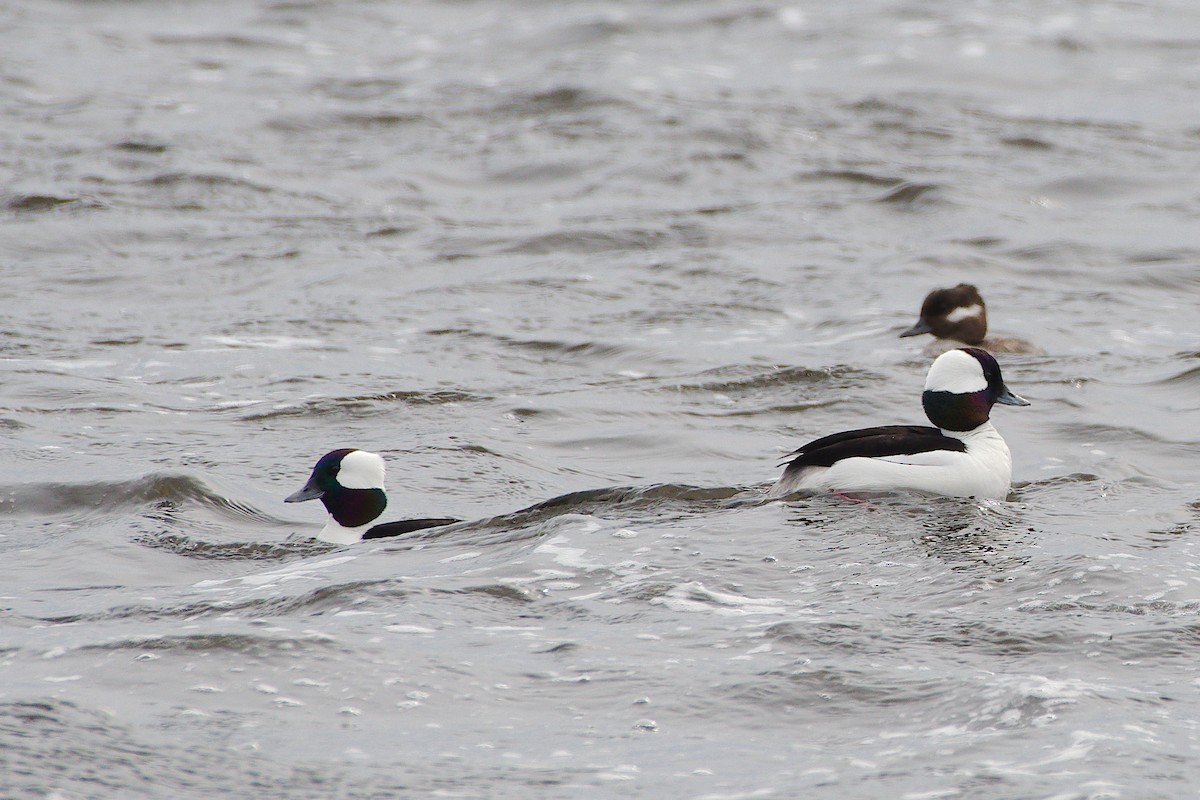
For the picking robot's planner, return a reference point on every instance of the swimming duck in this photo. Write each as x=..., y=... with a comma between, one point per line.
x=958, y=316
x=350, y=484
x=964, y=456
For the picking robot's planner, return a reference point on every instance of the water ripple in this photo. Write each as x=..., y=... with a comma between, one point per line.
x=364, y=405
x=155, y=489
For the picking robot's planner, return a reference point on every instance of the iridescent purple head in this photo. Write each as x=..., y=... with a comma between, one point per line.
x=961, y=388
x=350, y=484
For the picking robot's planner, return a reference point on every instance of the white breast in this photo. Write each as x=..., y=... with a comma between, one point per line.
x=335, y=533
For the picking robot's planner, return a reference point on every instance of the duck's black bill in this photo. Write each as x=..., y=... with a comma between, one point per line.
x=916, y=330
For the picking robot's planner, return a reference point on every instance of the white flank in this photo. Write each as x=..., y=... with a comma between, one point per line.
x=957, y=372
x=984, y=471
x=361, y=470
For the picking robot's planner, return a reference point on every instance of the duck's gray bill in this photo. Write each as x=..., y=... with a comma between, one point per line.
x=309, y=492
x=1007, y=398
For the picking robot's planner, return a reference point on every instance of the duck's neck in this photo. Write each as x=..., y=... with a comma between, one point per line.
x=984, y=441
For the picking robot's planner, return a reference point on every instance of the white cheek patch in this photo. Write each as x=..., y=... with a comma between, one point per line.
x=961, y=313
x=361, y=470
x=957, y=372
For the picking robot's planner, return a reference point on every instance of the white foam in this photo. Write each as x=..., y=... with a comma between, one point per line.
x=572, y=557
x=265, y=342
x=461, y=557
x=695, y=596
x=299, y=571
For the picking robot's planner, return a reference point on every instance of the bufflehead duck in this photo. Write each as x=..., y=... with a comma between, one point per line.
x=958, y=316
x=350, y=484
x=964, y=456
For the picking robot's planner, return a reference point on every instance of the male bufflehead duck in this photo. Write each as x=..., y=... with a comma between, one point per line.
x=350, y=484
x=964, y=456
x=958, y=316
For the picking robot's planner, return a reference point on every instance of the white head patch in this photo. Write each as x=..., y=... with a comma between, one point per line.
x=963, y=312
x=361, y=470
x=957, y=372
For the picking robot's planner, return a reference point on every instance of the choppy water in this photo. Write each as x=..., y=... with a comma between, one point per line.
x=613, y=259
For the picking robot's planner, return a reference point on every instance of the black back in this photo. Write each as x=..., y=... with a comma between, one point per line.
x=885, y=440
x=404, y=526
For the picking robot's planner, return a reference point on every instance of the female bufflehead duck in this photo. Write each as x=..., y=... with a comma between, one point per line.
x=958, y=316
x=964, y=456
x=350, y=484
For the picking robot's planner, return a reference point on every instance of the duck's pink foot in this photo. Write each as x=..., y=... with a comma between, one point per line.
x=852, y=499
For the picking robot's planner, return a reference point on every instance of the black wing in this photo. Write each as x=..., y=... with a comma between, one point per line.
x=406, y=526
x=886, y=440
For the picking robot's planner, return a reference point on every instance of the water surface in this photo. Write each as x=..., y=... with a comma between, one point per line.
x=582, y=272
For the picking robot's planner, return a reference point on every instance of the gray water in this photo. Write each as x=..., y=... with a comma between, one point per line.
x=614, y=259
